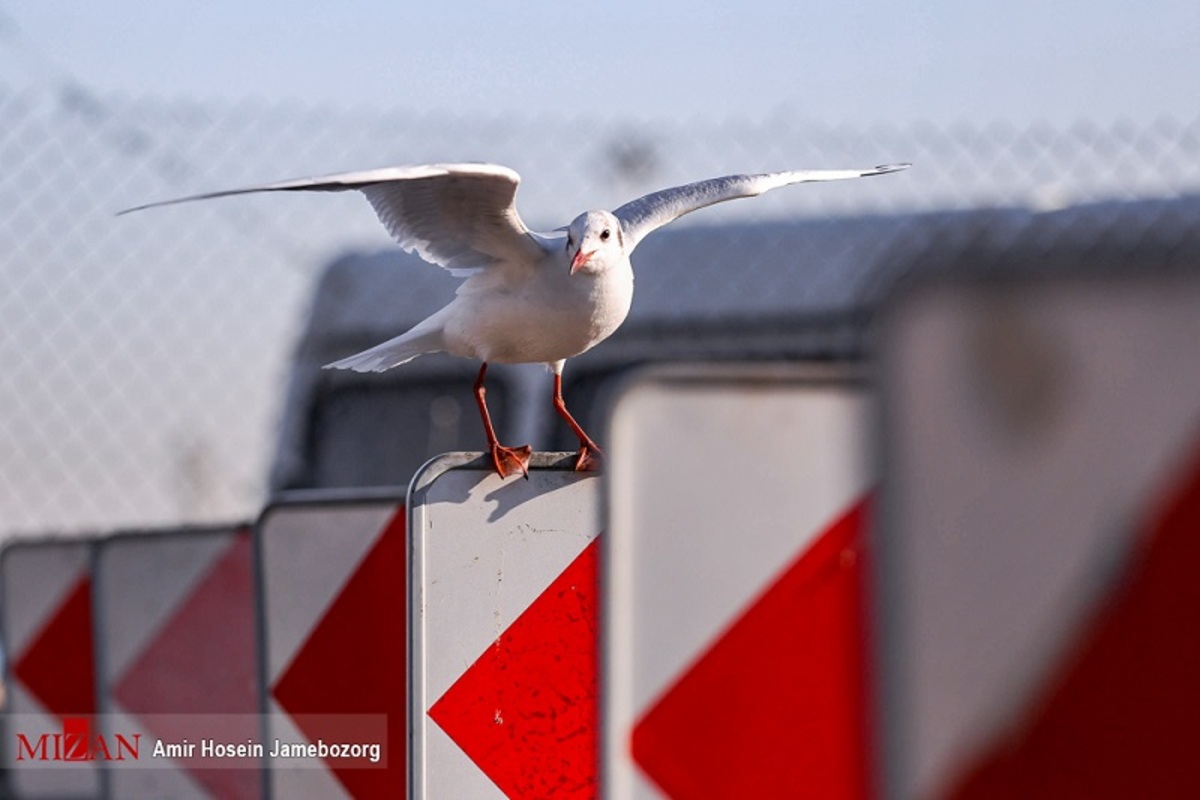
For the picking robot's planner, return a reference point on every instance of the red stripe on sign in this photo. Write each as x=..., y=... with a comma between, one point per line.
x=353, y=662
x=776, y=707
x=58, y=667
x=525, y=711
x=1121, y=718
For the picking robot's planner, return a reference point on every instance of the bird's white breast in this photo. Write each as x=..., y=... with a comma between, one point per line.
x=549, y=316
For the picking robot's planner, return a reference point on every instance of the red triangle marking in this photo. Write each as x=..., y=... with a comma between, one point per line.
x=777, y=705
x=1120, y=718
x=353, y=662
x=525, y=711
x=57, y=666
x=203, y=660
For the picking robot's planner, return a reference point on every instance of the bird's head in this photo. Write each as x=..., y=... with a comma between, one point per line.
x=595, y=242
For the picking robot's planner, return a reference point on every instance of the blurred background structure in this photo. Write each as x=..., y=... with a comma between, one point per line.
x=145, y=359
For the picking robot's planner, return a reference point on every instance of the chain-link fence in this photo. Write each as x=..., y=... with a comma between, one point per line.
x=143, y=356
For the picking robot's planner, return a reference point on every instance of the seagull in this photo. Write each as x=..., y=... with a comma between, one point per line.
x=526, y=297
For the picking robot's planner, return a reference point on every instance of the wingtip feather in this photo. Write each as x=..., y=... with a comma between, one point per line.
x=884, y=169
x=358, y=364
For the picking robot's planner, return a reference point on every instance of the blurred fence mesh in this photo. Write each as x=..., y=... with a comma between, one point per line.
x=144, y=355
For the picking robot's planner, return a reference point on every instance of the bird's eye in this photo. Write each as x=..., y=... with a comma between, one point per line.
x=604, y=234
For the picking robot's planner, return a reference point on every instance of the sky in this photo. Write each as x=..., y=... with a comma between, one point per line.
x=857, y=62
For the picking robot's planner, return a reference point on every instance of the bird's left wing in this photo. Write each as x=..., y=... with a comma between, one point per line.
x=640, y=217
x=459, y=216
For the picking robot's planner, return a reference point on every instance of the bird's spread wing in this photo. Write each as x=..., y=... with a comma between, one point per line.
x=640, y=217
x=459, y=216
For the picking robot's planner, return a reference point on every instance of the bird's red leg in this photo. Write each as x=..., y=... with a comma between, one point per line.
x=508, y=460
x=589, y=452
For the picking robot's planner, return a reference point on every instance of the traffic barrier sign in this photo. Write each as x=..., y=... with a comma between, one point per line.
x=1038, y=602
x=734, y=630
x=176, y=642
x=334, y=592
x=50, y=670
x=503, y=666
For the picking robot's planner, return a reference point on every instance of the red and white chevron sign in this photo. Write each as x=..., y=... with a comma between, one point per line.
x=504, y=666
x=175, y=636
x=1041, y=530
x=734, y=616
x=47, y=624
x=334, y=591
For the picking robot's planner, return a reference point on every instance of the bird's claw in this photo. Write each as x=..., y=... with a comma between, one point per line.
x=589, y=458
x=511, y=460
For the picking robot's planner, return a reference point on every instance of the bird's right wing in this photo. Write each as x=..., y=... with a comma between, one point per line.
x=646, y=214
x=459, y=216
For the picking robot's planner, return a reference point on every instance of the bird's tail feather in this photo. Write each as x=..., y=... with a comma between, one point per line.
x=393, y=352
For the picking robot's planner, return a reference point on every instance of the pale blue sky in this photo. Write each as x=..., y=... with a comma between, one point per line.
x=859, y=62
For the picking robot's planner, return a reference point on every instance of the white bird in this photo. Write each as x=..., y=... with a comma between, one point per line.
x=527, y=297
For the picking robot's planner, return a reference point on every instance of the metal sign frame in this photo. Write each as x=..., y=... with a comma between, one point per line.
x=292, y=500
x=103, y=667
x=997, y=288
x=88, y=546
x=623, y=553
x=546, y=470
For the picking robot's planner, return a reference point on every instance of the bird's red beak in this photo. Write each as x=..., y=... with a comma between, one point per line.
x=580, y=259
